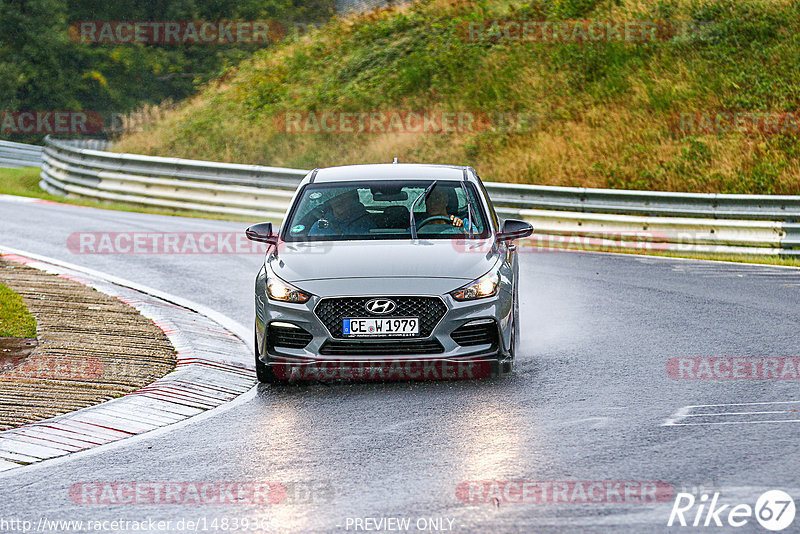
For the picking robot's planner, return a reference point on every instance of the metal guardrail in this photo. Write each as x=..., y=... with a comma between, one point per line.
x=653, y=203
x=15, y=155
x=222, y=188
x=563, y=217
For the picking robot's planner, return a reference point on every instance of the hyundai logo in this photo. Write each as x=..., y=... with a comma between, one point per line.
x=380, y=306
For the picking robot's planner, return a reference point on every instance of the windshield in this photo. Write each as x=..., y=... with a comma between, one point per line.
x=381, y=210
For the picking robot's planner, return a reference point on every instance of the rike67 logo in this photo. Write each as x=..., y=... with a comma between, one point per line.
x=774, y=510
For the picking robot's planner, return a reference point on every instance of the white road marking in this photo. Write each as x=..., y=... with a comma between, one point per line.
x=733, y=413
x=686, y=412
x=736, y=423
x=677, y=416
x=743, y=404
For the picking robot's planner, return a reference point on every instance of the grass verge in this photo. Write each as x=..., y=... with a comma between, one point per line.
x=15, y=319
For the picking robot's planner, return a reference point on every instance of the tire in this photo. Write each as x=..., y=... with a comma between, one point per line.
x=506, y=367
x=515, y=329
x=264, y=372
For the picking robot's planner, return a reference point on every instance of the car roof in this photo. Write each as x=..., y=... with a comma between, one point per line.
x=389, y=171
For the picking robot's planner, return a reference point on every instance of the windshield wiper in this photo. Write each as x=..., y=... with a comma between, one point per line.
x=412, y=221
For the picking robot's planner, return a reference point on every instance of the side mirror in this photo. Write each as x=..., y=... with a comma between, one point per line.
x=514, y=229
x=262, y=232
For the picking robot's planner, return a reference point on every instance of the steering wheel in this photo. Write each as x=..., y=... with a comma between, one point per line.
x=439, y=218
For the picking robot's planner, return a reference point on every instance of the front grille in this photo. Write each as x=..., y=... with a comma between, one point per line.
x=430, y=310
x=380, y=348
x=470, y=335
x=287, y=337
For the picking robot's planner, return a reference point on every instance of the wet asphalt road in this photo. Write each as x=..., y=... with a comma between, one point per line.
x=587, y=403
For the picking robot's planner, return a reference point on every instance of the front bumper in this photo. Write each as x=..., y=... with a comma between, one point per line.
x=437, y=355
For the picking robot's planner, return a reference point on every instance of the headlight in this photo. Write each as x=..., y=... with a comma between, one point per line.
x=277, y=289
x=485, y=286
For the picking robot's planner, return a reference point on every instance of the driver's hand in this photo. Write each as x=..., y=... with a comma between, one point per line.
x=456, y=221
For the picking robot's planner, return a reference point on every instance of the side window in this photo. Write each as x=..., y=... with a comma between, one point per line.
x=492, y=213
x=312, y=201
x=479, y=219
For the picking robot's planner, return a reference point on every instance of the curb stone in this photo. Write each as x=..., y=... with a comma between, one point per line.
x=214, y=367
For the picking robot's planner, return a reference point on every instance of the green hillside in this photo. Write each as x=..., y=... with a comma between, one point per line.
x=600, y=113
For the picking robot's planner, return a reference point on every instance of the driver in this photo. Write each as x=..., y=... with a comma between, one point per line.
x=346, y=216
x=436, y=206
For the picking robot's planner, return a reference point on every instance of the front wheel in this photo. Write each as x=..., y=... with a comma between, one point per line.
x=505, y=367
x=264, y=372
x=515, y=329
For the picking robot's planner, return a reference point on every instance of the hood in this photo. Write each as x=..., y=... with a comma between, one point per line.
x=462, y=261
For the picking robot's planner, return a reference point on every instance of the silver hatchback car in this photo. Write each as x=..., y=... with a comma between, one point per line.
x=387, y=271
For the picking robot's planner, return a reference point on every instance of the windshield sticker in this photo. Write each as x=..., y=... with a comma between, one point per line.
x=315, y=195
x=297, y=228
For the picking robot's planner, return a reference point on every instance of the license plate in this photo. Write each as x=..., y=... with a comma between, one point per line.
x=389, y=326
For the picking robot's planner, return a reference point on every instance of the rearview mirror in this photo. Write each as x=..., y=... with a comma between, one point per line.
x=388, y=194
x=514, y=229
x=262, y=232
